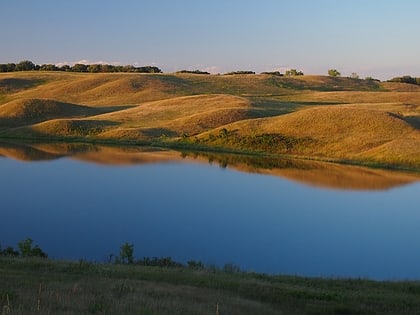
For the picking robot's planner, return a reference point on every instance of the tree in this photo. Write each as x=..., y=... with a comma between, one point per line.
x=48, y=67
x=354, y=75
x=293, y=72
x=25, y=65
x=334, y=73
x=79, y=67
x=94, y=68
x=26, y=249
x=127, y=253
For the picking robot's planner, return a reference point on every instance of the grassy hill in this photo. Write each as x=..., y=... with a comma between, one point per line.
x=317, y=117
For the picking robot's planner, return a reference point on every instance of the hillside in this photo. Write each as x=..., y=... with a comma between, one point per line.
x=317, y=117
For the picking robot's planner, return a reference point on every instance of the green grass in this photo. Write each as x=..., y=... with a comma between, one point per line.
x=31, y=286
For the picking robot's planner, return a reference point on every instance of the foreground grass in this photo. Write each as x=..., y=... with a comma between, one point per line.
x=41, y=286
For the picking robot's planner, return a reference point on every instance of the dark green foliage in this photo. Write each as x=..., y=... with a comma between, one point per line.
x=406, y=79
x=49, y=67
x=334, y=73
x=193, y=72
x=127, y=253
x=26, y=249
x=78, y=67
x=293, y=72
x=9, y=252
x=27, y=65
x=240, y=72
x=277, y=73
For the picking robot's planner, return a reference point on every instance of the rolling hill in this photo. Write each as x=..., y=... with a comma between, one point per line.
x=316, y=117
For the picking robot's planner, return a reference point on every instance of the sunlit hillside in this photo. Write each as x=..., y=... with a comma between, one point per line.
x=317, y=117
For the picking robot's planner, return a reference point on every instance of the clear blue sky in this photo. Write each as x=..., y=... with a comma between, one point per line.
x=378, y=38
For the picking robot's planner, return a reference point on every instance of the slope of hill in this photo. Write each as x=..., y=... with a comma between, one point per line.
x=29, y=111
x=320, y=117
x=338, y=132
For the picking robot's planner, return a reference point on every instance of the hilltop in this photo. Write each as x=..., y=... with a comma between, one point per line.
x=316, y=117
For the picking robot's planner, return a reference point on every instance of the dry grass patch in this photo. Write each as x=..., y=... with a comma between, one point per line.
x=175, y=116
x=339, y=132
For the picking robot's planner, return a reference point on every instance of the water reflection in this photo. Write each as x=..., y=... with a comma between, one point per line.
x=319, y=174
x=213, y=208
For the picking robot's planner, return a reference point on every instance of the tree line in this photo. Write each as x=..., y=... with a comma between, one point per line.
x=28, y=65
x=406, y=79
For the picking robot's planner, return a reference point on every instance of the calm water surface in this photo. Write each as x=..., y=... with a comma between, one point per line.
x=201, y=211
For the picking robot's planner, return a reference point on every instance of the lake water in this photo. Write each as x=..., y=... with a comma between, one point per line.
x=264, y=215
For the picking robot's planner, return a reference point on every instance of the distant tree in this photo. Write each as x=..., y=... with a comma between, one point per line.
x=94, y=68
x=49, y=67
x=107, y=68
x=405, y=79
x=277, y=73
x=65, y=68
x=240, y=72
x=334, y=73
x=148, y=69
x=293, y=72
x=25, y=65
x=3, y=67
x=193, y=72
x=127, y=253
x=26, y=249
x=79, y=67
x=9, y=252
x=11, y=67
x=354, y=75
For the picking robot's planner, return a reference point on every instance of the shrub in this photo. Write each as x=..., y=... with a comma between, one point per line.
x=334, y=73
x=293, y=72
x=127, y=253
x=240, y=72
x=26, y=249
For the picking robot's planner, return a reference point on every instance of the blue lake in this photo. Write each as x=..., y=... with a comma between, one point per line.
x=314, y=220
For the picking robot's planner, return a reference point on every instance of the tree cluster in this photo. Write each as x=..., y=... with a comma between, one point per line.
x=277, y=73
x=240, y=72
x=26, y=249
x=293, y=72
x=27, y=65
x=193, y=72
x=334, y=73
x=406, y=79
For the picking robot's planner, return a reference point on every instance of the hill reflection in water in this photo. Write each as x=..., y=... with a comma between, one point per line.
x=313, y=173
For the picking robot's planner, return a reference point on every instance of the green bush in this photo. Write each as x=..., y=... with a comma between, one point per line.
x=26, y=249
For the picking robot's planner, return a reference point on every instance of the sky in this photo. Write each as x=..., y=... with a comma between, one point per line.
x=377, y=38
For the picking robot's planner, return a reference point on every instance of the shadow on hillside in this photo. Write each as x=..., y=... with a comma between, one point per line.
x=8, y=85
x=158, y=132
x=413, y=121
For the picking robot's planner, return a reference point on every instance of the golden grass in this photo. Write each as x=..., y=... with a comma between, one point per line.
x=177, y=116
x=332, y=118
x=341, y=132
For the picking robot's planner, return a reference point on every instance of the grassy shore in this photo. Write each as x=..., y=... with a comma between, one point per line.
x=43, y=286
x=336, y=119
